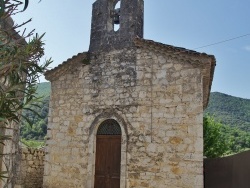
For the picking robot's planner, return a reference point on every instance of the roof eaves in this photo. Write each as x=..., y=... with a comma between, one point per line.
x=164, y=47
x=84, y=56
x=213, y=65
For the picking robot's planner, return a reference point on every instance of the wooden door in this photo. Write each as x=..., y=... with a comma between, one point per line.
x=108, y=156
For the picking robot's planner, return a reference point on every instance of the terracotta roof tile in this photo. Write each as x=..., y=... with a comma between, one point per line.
x=157, y=45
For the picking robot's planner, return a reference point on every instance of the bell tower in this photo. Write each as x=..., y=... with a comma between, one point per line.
x=115, y=23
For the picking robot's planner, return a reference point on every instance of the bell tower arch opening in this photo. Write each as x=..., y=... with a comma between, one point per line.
x=116, y=15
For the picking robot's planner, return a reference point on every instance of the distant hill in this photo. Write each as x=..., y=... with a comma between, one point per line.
x=38, y=130
x=232, y=111
x=43, y=89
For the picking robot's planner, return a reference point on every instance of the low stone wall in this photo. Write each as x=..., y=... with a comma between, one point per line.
x=31, y=169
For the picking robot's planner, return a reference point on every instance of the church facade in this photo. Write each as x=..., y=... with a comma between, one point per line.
x=129, y=112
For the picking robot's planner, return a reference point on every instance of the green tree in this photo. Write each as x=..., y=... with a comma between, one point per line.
x=19, y=69
x=240, y=140
x=39, y=120
x=215, y=143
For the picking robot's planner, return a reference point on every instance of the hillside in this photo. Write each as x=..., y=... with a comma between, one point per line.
x=38, y=130
x=43, y=89
x=232, y=111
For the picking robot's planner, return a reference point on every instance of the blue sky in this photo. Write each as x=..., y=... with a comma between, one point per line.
x=189, y=24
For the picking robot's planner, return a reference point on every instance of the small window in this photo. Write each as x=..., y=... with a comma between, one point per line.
x=117, y=16
x=109, y=127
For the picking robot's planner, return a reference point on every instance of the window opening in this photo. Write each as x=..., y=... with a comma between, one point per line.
x=116, y=17
x=109, y=127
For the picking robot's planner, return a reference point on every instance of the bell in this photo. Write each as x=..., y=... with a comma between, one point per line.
x=116, y=19
x=117, y=16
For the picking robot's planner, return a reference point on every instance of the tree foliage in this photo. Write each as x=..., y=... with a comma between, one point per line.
x=238, y=140
x=39, y=120
x=220, y=140
x=39, y=116
x=19, y=65
x=215, y=144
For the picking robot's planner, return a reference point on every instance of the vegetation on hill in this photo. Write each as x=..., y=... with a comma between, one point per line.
x=38, y=117
x=231, y=115
x=238, y=140
x=35, y=126
x=229, y=110
x=43, y=89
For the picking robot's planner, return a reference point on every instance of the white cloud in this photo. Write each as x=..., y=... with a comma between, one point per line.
x=247, y=48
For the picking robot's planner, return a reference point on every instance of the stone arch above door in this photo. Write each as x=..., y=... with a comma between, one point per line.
x=107, y=115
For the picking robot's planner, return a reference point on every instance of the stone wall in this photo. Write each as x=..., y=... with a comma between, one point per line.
x=11, y=156
x=30, y=173
x=155, y=96
x=78, y=97
x=167, y=147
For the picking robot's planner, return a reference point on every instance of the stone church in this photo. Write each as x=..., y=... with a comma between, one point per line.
x=129, y=112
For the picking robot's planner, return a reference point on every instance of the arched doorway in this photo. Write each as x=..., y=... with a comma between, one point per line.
x=108, y=155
